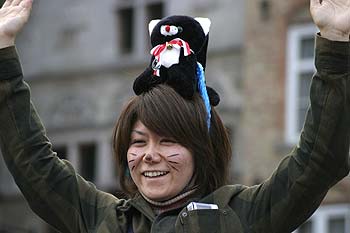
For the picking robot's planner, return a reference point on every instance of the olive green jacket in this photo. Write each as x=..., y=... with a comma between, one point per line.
x=281, y=203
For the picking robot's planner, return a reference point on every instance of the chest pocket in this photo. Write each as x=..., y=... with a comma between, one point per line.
x=208, y=221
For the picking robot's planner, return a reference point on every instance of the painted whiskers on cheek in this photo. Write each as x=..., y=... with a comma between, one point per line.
x=132, y=161
x=172, y=163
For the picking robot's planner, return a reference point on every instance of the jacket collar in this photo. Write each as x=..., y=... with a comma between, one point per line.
x=140, y=204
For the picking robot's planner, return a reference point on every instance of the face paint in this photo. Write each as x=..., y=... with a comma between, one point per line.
x=159, y=166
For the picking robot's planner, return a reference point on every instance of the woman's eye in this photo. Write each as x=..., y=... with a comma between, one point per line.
x=137, y=142
x=168, y=140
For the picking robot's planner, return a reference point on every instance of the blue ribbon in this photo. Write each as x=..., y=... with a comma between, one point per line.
x=202, y=89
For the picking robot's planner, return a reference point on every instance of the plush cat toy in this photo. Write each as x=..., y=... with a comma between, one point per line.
x=178, y=57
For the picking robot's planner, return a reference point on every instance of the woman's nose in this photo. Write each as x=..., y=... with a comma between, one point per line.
x=152, y=156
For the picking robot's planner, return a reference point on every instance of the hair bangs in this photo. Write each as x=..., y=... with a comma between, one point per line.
x=166, y=113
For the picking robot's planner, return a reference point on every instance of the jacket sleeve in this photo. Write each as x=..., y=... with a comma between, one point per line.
x=320, y=160
x=52, y=188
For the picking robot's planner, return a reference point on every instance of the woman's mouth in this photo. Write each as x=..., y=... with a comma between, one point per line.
x=153, y=174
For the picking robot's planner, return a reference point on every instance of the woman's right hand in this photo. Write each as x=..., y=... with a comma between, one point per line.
x=332, y=17
x=13, y=16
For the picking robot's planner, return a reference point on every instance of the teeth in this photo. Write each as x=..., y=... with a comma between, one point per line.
x=154, y=173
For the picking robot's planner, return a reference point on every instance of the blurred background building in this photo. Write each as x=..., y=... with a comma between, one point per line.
x=81, y=57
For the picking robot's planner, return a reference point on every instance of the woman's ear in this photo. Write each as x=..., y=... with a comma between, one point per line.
x=152, y=24
x=205, y=23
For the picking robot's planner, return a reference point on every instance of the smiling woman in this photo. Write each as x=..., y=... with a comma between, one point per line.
x=172, y=149
x=160, y=167
x=162, y=125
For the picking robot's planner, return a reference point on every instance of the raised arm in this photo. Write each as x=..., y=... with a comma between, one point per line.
x=321, y=158
x=51, y=186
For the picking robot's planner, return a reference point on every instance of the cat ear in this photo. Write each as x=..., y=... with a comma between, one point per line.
x=205, y=23
x=152, y=24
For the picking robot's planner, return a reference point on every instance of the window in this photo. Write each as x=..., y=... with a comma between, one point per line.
x=337, y=224
x=153, y=11
x=328, y=219
x=132, y=20
x=300, y=68
x=90, y=153
x=126, y=25
x=87, y=153
x=67, y=37
x=83, y=155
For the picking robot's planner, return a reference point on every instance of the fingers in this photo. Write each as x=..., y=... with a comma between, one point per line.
x=26, y=8
x=26, y=3
x=7, y=3
x=16, y=2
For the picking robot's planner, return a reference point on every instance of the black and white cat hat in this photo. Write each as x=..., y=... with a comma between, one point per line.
x=179, y=51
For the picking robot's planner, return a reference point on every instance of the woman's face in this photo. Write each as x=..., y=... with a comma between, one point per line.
x=159, y=166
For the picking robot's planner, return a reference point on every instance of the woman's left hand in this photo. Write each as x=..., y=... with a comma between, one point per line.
x=332, y=17
x=13, y=16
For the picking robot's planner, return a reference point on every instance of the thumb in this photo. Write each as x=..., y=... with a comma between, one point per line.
x=26, y=7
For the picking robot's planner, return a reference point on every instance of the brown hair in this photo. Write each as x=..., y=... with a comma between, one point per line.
x=165, y=112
